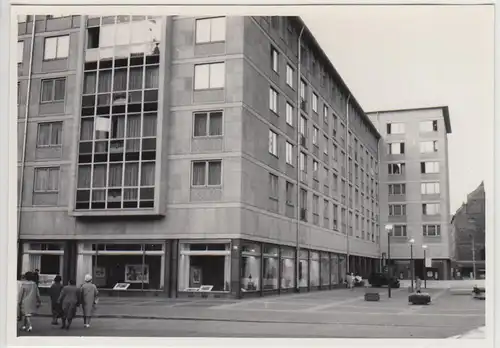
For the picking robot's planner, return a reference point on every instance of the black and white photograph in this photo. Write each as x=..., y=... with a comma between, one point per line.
x=287, y=172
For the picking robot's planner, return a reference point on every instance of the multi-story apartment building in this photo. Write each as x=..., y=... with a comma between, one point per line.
x=414, y=192
x=174, y=152
x=469, y=226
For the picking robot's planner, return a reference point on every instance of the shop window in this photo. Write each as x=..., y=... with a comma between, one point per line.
x=250, y=267
x=314, y=270
x=304, y=269
x=334, y=270
x=287, y=268
x=270, y=268
x=210, y=267
x=325, y=269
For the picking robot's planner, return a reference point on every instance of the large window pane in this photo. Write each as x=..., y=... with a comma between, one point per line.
x=120, y=80
x=218, y=29
x=104, y=81
x=199, y=173
x=201, y=76
x=63, y=46
x=287, y=268
x=200, y=125
x=250, y=271
x=99, y=178
x=131, y=174
x=152, y=77
x=217, y=75
x=270, y=275
x=43, y=134
x=89, y=83
x=214, y=173
x=59, y=89
x=47, y=89
x=148, y=174
x=115, y=175
x=84, y=176
x=133, y=126
x=107, y=36
x=135, y=78
x=202, y=30
x=50, y=48
x=150, y=122
x=216, y=123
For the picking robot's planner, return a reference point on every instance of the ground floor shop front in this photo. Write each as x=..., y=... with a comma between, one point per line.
x=438, y=269
x=235, y=268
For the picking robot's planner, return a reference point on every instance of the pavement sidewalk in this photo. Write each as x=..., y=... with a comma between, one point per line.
x=479, y=333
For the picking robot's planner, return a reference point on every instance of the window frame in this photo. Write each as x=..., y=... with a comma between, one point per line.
x=206, y=162
x=425, y=209
x=289, y=153
x=57, y=57
x=273, y=190
x=315, y=102
x=275, y=60
x=273, y=143
x=403, y=230
x=424, y=185
x=434, y=126
x=433, y=143
x=401, y=148
x=289, y=75
x=289, y=187
x=289, y=114
x=51, y=124
x=400, y=129
x=424, y=171
x=208, y=114
x=273, y=100
x=437, y=232
x=49, y=169
x=209, y=65
x=53, y=90
x=210, y=41
x=401, y=167
x=315, y=136
x=20, y=52
x=391, y=209
x=391, y=190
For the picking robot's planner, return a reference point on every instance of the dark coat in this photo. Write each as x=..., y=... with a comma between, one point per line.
x=54, y=293
x=69, y=300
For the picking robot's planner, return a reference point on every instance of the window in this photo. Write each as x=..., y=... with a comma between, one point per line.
x=396, y=148
x=325, y=145
x=315, y=205
x=207, y=173
x=209, y=76
x=210, y=30
x=303, y=162
x=56, y=47
x=430, y=208
x=428, y=146
x=395, y=128
x=397, y=209
x=315, y=167
x=397, y=189
x=208, y=124
x=335, y=216
x=303, y=200
x=399, y=231
x=335, y=124
x=273, y=186
x=303, y=125
x=273, y=143
x=396, y=168
x=429, y=188
x=315, y=135
x=302, y=90
x=428, y=126
x=429, y=167
x=431, y=230
x=325, y=114
x=273, y=100
x=289, y=75
x=289, y=193
x=326, y=209
x=49, y=134
x=53, y=90
x=46, y=180
x=22, y=18
x=289, y=114
x=20, y=51
x=335, y=182
x=289, y=153
x=274, y=59
x=315, y=102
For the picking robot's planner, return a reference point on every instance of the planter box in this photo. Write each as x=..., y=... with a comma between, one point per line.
x=372, y=296
x=419, y=299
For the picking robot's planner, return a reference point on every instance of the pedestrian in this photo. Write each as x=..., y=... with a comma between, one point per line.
x=69, y=301
x=54, y=293
x=36, y=276
x=418, y=285
x=351, y=281
x=28, y=300
x=89, y=298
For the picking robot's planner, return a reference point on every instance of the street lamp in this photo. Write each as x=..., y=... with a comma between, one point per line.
x=425, y=266
x=388, y=229
x=411, y=241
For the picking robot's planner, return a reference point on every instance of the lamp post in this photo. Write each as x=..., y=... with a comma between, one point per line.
x=425, y=266
x=412, y=268
x=388, y=229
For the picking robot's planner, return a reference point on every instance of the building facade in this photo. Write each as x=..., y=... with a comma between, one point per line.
x=469, y=226
x=171, y=153
x=414, y=193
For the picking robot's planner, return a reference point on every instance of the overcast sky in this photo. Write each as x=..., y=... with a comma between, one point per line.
x=405, y=57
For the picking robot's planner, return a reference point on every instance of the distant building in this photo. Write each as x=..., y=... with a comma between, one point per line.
x=414, y=188
x=468, y=230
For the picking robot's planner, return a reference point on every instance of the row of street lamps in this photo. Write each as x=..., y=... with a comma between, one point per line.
x=411, y=241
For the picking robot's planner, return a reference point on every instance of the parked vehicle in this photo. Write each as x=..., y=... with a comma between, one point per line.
x=378, y=280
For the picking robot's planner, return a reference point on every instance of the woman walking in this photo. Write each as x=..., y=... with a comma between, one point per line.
x=28, y=300
x=69, y=301
x=89, y=298
x=55, y=292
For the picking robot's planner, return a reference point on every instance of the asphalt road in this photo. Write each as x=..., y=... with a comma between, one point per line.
x=330, y=314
